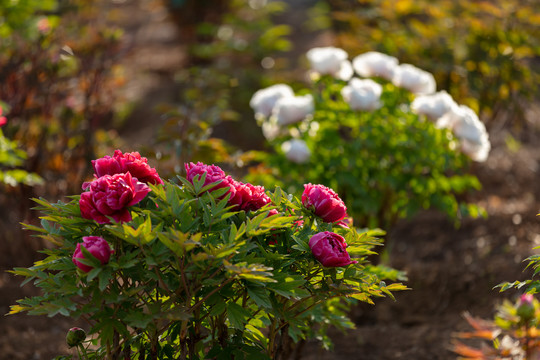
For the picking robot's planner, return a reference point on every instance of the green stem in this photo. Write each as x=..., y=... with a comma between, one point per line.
x=81, y=348
x=200, y=302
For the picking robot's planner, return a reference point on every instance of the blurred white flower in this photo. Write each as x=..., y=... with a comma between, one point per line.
x=433, y=106
x=513, y=347
x=374, y=63
x=264, y=100
x=414, y=79
x=464, y=123
x=362, y=94
x=330, y=61
x=290, y=110
x=296, y=150
x=476, y=151
x=270, y=129
x=470, y=131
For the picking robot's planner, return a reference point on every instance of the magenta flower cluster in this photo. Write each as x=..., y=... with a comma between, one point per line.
x=327, y=247
x=243, y=196
x=120, y=181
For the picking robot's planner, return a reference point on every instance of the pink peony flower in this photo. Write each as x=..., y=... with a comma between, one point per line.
x=247, y=196
x=110, y=195
x=213, y=174
x=273, y=212
x=121, y=163
x=324, y=202
x=329, y=249
x=97, y=246
x=3, y=119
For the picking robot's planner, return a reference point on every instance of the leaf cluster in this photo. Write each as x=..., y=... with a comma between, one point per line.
x=11, y=160
x=191, y=277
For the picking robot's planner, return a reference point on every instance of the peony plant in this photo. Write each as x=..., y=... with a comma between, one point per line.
x=201, y=267
x=513, y=334
x=382, y=137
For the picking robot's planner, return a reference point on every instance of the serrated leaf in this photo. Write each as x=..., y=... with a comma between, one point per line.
x=259, y=296
x=237, y=315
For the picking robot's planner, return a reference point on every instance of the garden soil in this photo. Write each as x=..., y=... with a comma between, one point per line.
x=451, y=270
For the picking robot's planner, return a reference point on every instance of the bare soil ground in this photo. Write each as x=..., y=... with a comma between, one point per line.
x=450, y=270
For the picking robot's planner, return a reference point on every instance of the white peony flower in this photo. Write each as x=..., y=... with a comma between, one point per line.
x=263, y=101
x=464, y=123
x=296, y=151
x=470, y=131
x=345, y=71
x=434, y=106
x=330, y=61
x=374, y=63
x=362, y=94
x=414, y=79
x=476, y=151
x=290, y=110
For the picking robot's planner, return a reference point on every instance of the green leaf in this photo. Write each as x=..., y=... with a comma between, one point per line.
x=237, y=315
x=138, y=319
x=260, y=296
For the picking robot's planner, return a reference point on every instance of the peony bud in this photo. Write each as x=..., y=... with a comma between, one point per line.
x=525, y=309
x=324, y=202
x=213, y=174
x=330, y=249
x=75, y=336
x=97, y=246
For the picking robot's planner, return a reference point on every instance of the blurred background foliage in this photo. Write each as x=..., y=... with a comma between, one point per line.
x=58, y=79
x=228, y=53
x=484, y=53
x=61, y=78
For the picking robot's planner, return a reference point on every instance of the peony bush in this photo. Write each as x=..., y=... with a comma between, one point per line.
x=380, y=134
x=514, y=331
x=512, y=334
x=204, y=266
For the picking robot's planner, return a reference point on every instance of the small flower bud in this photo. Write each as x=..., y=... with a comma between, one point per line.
x=75, y=336
x=525, y=309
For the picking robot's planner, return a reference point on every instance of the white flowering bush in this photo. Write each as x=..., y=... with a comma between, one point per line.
x=382, y=137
